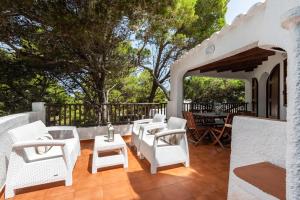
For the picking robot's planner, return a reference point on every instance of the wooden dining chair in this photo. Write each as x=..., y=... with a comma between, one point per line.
x=196, y=133
x=224, y=131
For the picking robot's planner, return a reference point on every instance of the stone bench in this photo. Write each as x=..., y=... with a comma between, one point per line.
x=265, y=176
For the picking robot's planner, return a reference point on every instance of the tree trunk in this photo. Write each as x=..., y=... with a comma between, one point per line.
x=153, y=91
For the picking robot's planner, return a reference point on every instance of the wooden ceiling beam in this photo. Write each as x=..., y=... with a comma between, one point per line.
x=244, y=68
x=254, y=54
x=263, y=57
x=238, y=65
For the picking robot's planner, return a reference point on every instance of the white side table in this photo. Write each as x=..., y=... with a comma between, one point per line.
x=101, y=145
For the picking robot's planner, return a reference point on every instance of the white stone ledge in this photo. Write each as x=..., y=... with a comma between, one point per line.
x=254, y=140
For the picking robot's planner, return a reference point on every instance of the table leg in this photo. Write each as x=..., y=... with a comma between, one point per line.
x=94, y=167
x=125, y=155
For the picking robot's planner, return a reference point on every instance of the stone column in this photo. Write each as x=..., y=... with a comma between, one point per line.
x=291, y=22
x=174, y=108
x=40, y=108
x=248, y=94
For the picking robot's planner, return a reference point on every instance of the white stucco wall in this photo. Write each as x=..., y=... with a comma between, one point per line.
x=260, y=26
x=254, y=140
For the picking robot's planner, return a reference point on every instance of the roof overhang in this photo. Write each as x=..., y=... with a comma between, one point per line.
x=245, y=61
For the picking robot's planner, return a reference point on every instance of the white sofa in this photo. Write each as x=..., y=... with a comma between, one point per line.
x=136, y=134
x=168, y=146
x=28, y=168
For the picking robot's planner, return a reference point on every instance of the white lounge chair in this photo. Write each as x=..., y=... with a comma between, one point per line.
x=168, y=146
x=28, y=168
x=135, y=136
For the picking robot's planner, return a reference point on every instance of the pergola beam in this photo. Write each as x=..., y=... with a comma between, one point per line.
x=254, y=56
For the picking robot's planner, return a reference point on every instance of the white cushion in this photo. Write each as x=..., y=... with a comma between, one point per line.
x=32, y=131
x=28, y=132
x=158, y=118
x=43, y=149
x=176, y=123
x=55, y=151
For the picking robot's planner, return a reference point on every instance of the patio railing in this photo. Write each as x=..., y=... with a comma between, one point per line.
x=83, y=115
x=210, y=107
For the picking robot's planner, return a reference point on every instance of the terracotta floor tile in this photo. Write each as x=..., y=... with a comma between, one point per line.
x=2, y=195
x=95, y=193
x=155, y=194
x=116, y=191
x=206, y=178
x=176, y=191
x=67, y=196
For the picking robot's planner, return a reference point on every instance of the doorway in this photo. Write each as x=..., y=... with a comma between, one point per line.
x=255, y=96
x=273, y=93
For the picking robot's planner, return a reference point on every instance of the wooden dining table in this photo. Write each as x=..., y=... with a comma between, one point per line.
x=211, y=115
x=208, y=121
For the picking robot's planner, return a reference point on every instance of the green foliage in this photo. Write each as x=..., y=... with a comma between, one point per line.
x=163, y=38
x=134, y=88
x=202, y=89
x=68, y=51
x=80, y=43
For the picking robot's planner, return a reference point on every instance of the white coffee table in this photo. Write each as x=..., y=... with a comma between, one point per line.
x=102, y=145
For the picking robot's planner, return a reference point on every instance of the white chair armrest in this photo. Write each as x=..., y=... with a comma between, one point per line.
x=26, y=144
x=169, y=132
x=37, y=143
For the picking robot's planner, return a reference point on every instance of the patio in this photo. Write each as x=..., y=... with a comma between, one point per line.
x=207, y=178
x=270, y=67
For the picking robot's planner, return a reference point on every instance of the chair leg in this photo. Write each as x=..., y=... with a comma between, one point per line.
x=217, y=139
x=202, y=137
x=9, y=192
x=187, y=163
x=69, y=179
x=153, y=169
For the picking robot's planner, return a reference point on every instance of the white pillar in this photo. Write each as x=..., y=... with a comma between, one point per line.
x=291, y=22
x=248, y=93
x=40, y=108
x=174, y=107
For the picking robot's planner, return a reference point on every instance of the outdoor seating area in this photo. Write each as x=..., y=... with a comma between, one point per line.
x=208, y=170
x=129, y=101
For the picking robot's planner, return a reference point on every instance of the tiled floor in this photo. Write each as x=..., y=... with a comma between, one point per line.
x=207, y=178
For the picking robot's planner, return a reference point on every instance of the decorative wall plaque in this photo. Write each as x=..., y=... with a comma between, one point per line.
x=210, y=49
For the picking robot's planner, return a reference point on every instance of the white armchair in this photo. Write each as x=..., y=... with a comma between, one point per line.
x=28, y=168
x=135, y=136
x=168, y=146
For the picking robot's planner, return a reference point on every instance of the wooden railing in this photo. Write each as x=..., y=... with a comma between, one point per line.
x=83, y=115
x=210, y=107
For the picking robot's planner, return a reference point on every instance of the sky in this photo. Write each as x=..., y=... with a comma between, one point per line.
x=236, y=7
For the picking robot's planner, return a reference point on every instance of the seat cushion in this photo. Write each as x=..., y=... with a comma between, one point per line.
x=265, y=176
x=55, y=151
x=176, y=123
x=158, y=118
x=28, y=132
x=44, y=149
x=148, y=139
